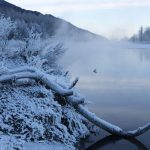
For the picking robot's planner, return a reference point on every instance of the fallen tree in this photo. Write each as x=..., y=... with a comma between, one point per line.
x=12, y=76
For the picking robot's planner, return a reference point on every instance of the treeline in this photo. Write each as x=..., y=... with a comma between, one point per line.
x=45, y=24
x=142, y=36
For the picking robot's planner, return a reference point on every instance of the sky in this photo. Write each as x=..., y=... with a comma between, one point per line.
x=114, y=19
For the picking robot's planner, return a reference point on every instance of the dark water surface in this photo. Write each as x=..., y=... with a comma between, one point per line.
x=119, y=92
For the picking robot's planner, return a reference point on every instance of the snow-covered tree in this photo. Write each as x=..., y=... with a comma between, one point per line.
x=6, y=26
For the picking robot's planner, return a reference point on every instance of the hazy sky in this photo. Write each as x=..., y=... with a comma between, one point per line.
x=111, y=18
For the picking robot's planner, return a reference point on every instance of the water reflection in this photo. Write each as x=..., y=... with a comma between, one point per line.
x=114, y=139
x=119, y=92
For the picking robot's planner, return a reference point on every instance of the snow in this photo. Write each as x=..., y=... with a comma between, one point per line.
x=32, y=115
x=12, y=143
x=46, y=146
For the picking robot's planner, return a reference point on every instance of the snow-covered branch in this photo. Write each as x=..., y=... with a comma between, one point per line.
x=37, y=75
x=73, y=99
x=111, y=128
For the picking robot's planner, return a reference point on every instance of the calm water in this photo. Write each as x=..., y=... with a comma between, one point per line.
x=119, y=92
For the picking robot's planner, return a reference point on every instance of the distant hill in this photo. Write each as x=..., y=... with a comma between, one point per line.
x=46, y=24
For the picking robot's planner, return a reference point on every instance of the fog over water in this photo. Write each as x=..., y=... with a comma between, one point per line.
x=119, y=91
x=118, y=65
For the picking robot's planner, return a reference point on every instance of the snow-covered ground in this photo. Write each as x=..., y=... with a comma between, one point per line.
x=12, y=143
x=33, y=116
x=47, y=146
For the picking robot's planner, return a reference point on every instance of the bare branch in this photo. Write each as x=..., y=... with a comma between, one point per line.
x=75, y=101
x=74, y=83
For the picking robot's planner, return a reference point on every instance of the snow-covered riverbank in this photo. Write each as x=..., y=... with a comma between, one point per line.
x=33, y=114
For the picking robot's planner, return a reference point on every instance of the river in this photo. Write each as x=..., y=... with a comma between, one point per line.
x=115, y=79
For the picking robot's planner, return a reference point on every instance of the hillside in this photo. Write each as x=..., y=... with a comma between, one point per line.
x=47, y=24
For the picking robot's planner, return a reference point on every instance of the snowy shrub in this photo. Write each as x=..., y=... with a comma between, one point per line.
x=6, y=26
x=32, y=113
x=33, y=50
x=29, y=110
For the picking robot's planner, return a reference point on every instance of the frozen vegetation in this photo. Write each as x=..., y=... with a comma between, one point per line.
x=30, y=112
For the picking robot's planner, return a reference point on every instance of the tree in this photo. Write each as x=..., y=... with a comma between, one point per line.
x=141, y=34
x=146, y=35
x=6, y=26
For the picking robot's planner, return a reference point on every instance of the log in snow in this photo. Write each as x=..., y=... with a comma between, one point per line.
x=37, y=75
x=76, y=101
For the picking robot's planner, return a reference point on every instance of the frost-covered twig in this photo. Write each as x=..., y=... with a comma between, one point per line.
x=73, y=83
x=50, y=71
x=24, y=82
x=75, y=101
x=38, y=76
x=22, y=69
x=26, y=69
